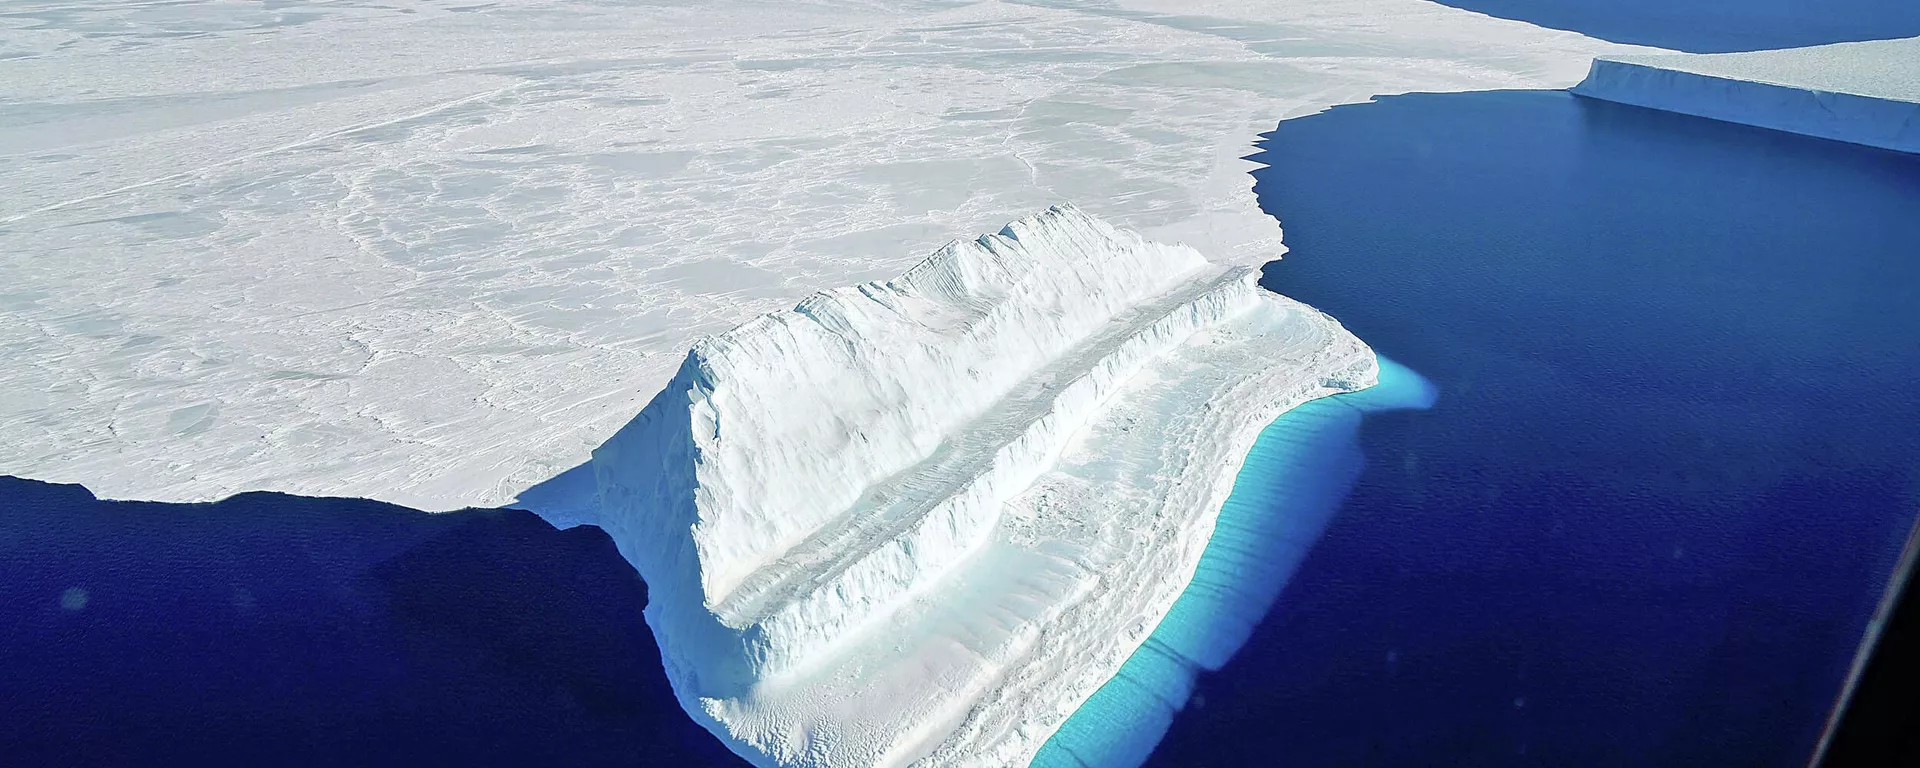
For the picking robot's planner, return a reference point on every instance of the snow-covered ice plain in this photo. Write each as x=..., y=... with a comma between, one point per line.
x=926, y=519
x=434, y=253
x=1863, y=93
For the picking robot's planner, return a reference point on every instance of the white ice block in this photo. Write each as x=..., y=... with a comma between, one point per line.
x=1862, y=93
x=926, y=518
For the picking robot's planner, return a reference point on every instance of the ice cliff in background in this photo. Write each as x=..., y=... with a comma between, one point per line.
x=924, y=520
x=1863, y=93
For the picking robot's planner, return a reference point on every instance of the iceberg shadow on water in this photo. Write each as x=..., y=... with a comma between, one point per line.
x=289, y=630
x=1293, y=481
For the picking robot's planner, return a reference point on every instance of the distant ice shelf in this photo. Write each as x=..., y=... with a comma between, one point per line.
x=1863, y=93
x=922, y=521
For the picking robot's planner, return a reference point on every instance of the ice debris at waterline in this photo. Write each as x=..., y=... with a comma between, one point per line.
x=924, y=520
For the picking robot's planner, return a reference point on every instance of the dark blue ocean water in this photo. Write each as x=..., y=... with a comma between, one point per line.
x=1714, y=26
x=280, y=630
x=1675, y=449
x=1672, y=458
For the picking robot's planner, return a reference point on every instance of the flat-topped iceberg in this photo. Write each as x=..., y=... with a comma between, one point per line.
x=1863, y=93
x=924, y=520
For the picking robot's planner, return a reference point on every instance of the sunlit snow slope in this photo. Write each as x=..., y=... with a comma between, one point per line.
x=927, y=518
x=434, y=253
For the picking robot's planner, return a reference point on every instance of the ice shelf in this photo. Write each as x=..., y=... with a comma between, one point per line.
x=1863, y=93
x=922, y=521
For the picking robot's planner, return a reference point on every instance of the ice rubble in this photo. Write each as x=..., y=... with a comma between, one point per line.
x=1864, y=93
x=924, y=520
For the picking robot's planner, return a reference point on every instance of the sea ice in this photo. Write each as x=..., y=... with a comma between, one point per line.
x=434, y=253
x=926, y=519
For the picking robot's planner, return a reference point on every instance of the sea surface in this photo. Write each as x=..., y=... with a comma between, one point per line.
x=1675, y=450
x=281, y=630
x=1671, y=460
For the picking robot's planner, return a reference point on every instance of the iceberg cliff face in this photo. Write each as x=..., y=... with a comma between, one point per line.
x=925, y=519
x=1862, y=93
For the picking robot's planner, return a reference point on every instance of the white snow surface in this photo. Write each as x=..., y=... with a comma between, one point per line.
x=1864, y=93
x=923, y=520
x=433, y=253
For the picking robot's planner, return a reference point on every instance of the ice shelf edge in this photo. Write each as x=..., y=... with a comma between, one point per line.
x=1872, y=121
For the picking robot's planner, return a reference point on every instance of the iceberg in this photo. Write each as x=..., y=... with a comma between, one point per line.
x=1862, y=93
x=922, y=521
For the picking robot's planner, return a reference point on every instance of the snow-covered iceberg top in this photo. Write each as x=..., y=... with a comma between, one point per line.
x=1863, y=93
x=925, y=519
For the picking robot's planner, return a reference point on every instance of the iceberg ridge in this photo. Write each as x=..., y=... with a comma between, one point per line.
x=923, y=520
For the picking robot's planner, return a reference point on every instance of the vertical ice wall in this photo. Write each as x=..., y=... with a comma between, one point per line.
x=774, y=432
x=1862, y=93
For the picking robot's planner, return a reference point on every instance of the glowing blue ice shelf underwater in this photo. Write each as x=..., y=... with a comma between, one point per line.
x=1294, y=479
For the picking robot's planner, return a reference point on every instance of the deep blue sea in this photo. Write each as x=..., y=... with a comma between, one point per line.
x=1675, y=450
x=280, y=630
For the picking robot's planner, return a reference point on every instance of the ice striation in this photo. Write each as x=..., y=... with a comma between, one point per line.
x=922, y=521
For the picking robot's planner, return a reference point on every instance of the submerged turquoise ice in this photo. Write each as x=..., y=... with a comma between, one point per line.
x=1293, y=481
